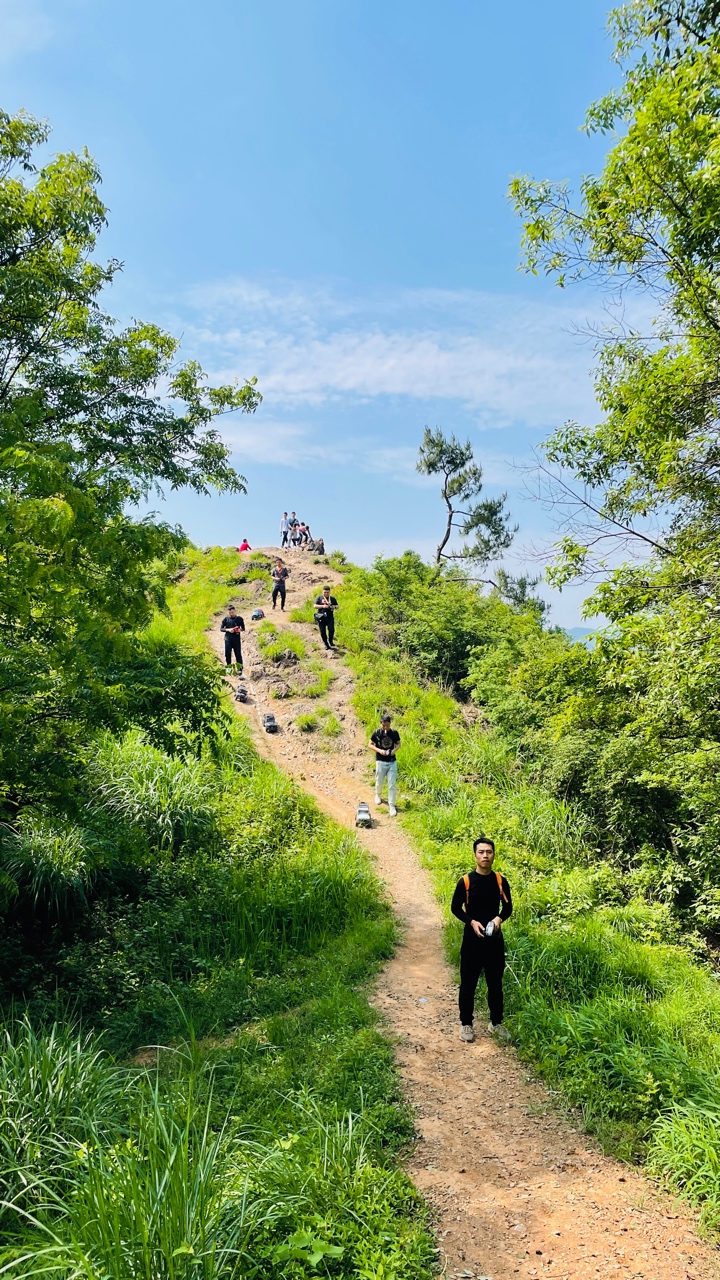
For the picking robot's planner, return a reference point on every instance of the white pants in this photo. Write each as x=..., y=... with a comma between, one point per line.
x=386, y=769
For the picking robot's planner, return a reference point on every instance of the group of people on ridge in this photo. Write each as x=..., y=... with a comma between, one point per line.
x=296, y=533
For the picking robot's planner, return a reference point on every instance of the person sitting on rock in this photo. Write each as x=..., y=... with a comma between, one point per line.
x=244, y=545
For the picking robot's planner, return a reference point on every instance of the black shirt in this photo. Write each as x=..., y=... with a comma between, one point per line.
x=387, y=740
x=229, y=624
x=280, y=575
x=325, y=612
x=485, y=900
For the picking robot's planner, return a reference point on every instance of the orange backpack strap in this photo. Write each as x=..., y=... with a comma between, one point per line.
x=466, y=882
x=498, y=877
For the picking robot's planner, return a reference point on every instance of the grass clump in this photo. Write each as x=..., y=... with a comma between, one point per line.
x=274, y=646
x=307, y=722
x=331, y=727
x=303, y=613
x=322, y=682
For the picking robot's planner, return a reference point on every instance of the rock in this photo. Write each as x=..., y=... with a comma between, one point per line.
x=257, y=673
x=286, y=659
x=281, y=690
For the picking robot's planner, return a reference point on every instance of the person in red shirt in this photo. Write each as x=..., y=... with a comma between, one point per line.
x=244, y=545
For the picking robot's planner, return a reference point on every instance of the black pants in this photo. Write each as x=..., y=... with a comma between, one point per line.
x=232, y=646
x=476, y=955
x=279, y=590
x=327, y=629
x=285, y=538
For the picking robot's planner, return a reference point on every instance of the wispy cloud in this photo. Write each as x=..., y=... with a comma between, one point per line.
x=24, y=28
x=505, y=360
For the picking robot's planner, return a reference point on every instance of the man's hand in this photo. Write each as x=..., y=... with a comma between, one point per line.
x=497, y=922
x=477, y=928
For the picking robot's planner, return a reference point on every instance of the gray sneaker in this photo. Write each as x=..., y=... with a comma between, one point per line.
x=393, y=812
x=466, y=1033
x=499, y=1031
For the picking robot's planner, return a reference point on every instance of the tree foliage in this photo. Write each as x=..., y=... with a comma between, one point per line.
x=93, y=418
x=485, y=523
x=647, y=476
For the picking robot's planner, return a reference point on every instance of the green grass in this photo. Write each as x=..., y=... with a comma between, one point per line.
x=331, y=727
x=307, y=723
x=322, y=682
x=237, y=927
x=274, y=646
x=303, y=613
x=602, y=996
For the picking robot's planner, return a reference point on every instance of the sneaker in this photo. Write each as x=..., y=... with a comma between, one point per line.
x=466, y=1033
x=378, y=801
x=499, y=1031
x=393, y=812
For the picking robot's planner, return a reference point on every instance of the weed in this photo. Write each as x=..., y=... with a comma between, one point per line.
x=332, y=727
x=307, y=723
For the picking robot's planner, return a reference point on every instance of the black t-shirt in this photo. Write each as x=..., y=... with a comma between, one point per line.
x=387, y=740
x=325, y=612
x=229, y=624
x=280, y=575
x=485, y=900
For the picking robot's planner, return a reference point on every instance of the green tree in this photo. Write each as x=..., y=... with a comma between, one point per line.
x=643, y=484
x=93, y=419
x=485, y=523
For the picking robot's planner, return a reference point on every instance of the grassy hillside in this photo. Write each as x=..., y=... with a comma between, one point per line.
x=607, y=996
x=198, y=901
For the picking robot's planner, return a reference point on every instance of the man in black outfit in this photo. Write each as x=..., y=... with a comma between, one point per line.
x=231, y=626
x=482, y=902
x=279, y=577
x=325, y=606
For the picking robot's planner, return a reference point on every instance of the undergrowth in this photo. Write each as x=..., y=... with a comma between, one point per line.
x=603, y=995
x=199, y=902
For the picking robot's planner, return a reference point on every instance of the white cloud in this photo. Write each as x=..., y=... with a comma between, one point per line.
x=505, y=360
x=24, y=28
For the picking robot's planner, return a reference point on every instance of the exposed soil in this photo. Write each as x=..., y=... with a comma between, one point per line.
x=516, y=1189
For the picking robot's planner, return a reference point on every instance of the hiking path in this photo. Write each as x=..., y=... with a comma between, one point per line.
x=515, y=1188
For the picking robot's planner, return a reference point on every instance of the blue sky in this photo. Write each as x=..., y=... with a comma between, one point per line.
x=313, y=192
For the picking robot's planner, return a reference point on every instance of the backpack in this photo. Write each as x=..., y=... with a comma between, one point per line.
x=466, y=882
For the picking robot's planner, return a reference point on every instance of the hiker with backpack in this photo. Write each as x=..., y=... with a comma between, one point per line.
x=482, y=901
x=385, y=742
x=325, y=606
x=231, y=626
x=279, y=575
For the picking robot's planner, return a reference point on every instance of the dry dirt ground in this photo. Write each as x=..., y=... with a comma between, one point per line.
x=516, y=1190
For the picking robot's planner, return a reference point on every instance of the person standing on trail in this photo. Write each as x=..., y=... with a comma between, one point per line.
x=279, y=577
x=482, y=901
x=325, y=606
x=231, y=626
x=284, y=529
x=385, y=742
x=293, y=523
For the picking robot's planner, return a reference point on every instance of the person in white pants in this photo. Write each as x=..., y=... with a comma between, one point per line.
x=385, y=742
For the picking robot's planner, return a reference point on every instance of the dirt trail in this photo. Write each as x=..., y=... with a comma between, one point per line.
x=517, y=1191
